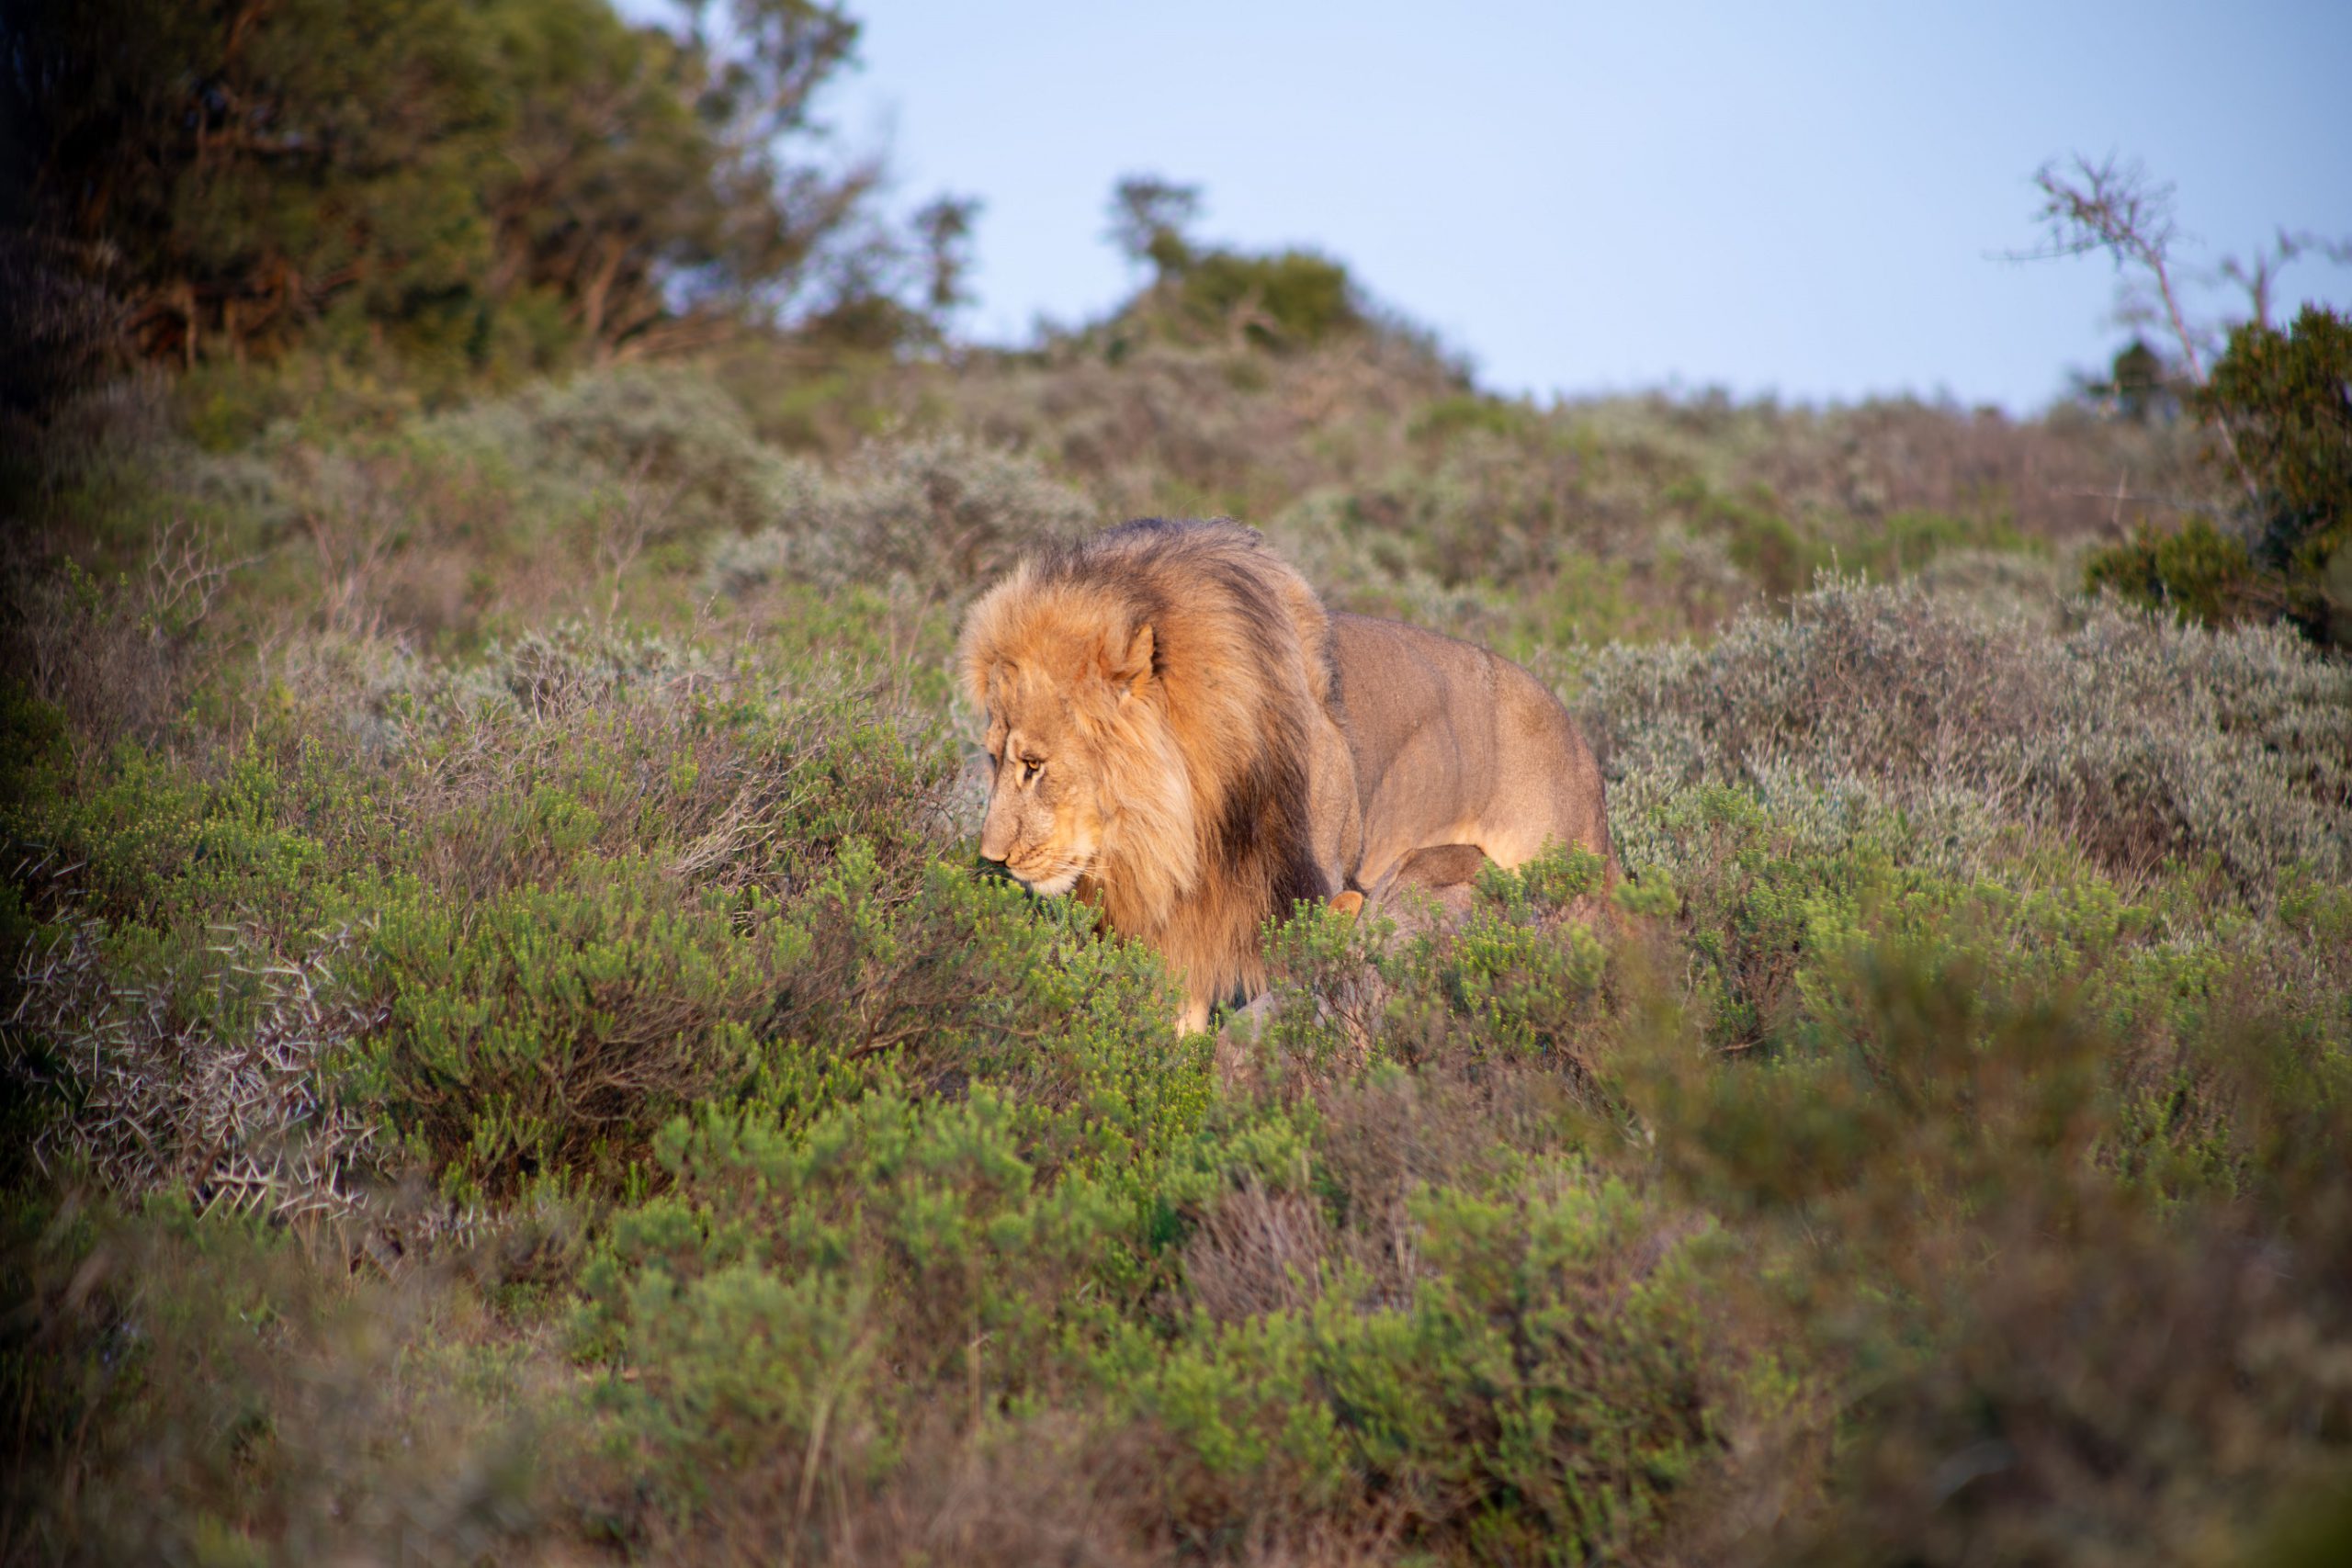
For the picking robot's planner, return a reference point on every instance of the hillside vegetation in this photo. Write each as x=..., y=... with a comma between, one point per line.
x=510, y=1054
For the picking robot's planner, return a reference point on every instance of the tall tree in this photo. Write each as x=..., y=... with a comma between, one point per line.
x=239, y=169
x=1149, y=216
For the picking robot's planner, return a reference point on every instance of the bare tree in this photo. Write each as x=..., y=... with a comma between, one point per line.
x=2116, y=208
x=2257, y=276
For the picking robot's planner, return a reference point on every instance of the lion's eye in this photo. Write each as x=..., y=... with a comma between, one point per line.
x=1031, y=767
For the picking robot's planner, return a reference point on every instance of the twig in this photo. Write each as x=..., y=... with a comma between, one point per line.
x=2114, y=208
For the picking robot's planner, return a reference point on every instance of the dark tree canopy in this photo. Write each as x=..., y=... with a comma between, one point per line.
x=1148, y=218
x=2286, y=400
x=468, y=177
x=1278, y=299
x=2137, y=379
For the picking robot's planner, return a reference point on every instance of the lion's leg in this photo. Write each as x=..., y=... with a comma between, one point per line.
x=1423, y=801
x=1439, y=866
x=1334, y=814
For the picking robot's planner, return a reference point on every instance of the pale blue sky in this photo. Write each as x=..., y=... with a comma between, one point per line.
x=1795, y=198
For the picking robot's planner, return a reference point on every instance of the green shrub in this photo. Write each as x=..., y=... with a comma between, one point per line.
x=1490, y=510
x=551, y=1029
x=2284, y=396
x=1907, y=542
x=2196, y=574
x=1467, y=412
x=742, y=1368
x=947, y=514
x=537, y=901
x=1287, y=300
x=576, y=740
x=1517, y=979
x=929, y=1210
x=2020, y=1312
x=205, y=1390
x=1543, y=1395
x=954, y=1235
x=2281, y=397
x=666, y=442
x=2144, y=743
x=972, y=980
x=1763, y=540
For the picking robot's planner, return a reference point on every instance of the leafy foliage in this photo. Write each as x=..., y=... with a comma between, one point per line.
x=1284, y=299
x=2283, y=398
x=2199, y=573
x=943, y=514
x=483, y=183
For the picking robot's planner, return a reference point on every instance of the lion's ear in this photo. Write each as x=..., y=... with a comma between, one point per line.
x=1131, y=669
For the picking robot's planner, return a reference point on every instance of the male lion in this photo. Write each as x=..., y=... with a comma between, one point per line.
x=1157, y=714
x=1179, y=733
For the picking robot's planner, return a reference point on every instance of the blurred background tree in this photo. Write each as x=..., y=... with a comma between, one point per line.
x=469, y=182
x=2278, y=405
x=2287, y=398
x=1276, y=300
x=2141, y=383
x=944, y=227
x=1149, y=216
x=2289, y=395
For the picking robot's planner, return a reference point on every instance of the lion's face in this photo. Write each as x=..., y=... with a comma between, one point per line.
x=1087, y=779
x=1045, y=815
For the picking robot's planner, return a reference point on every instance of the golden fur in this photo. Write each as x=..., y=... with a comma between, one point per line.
x=1460, y=757
x=1178, y=732
x=1158, y=725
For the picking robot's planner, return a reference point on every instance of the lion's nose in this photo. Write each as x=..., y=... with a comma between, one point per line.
x=996, y=844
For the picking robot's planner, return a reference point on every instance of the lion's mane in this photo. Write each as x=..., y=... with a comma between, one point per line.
x=1210, y=770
